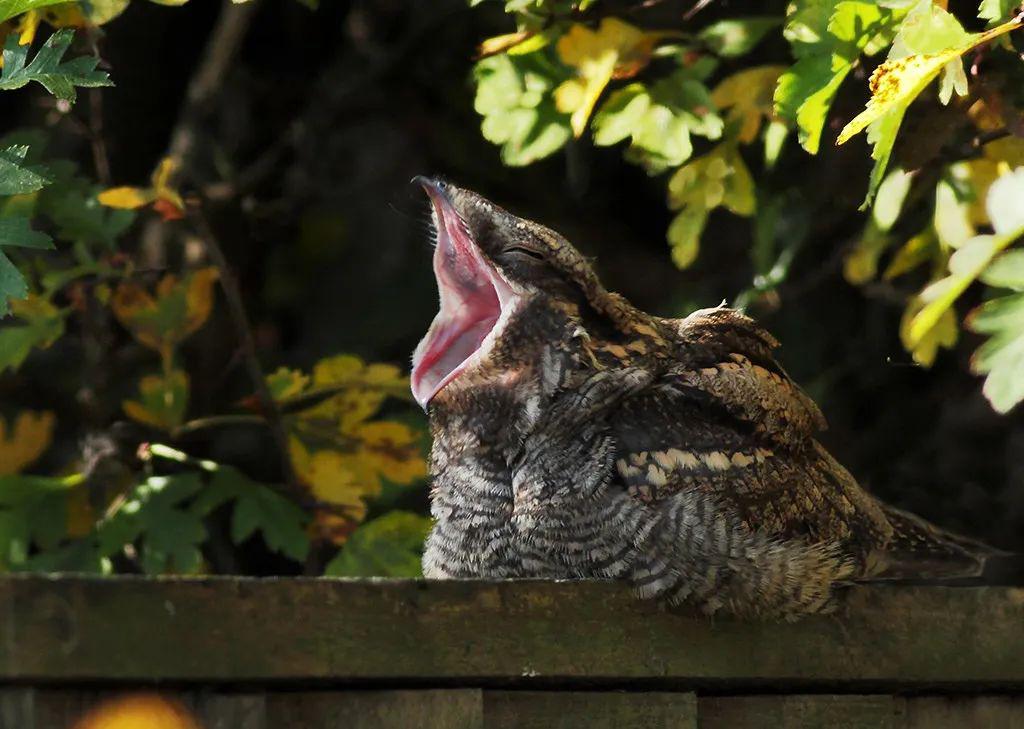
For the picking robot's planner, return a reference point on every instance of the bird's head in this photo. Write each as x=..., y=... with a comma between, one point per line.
x=507, y=287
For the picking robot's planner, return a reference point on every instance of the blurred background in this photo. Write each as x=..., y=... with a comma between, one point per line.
x=300, y=128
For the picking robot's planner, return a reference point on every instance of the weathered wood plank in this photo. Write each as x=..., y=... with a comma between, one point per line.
x=800, y=712
x=981, y=712
x=589, y=710
x=523, y=634
x=424, y=709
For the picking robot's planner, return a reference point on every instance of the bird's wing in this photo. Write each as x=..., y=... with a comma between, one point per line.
x=729, y=421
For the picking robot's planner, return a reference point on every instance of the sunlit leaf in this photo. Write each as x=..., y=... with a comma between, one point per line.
x=658, y=120
x=748, y=95
x=1001, y=357
x=737, y=36
x=11, y=8
x=827, y=38
x=389, y=546
x=924, y=348
x=615, y=48
x=919, y=249
x=155, y=513
x=896, y=83
x=719, y=178
x=513, y=95
x=27, y=439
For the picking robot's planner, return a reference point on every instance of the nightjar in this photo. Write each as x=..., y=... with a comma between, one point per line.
x=575, y=436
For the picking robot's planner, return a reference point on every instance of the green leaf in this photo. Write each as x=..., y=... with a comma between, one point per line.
x=513, y=96
x=155, y=513
x=897, y=82
x=995, y=10
x=388, y=546
x=659, y=120
x=70, y=202
x=737, y=36
x=17, y=178
x=60, y=79
x=1001, y=357
x=11, y=8
x=42, y=325
x=828, y=38
x=33, y=511
x=891, y=194
x=16, y=232
x=1005, y=202
x=257, y=507
x=1006, y=271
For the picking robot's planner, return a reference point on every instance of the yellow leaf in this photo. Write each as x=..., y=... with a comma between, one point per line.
x=126, y=197
x=164, y=321
x=163, y=402
x=165, y=199
x=27, y=440
x=924, y=348
x=143, y=711
x=896, y=83
x=162, y=177
x=28, y=24
x=285, y=383
x=392, y=450
x=511, y=41
x=615, y=49
x=331, y=478
x=750, y=93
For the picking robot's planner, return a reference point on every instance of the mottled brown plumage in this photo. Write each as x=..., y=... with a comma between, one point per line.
x=577, y=436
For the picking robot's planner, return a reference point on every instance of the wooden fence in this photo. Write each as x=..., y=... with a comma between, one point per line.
x=317, y=653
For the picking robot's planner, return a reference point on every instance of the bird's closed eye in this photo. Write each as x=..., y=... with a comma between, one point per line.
x=522, y=250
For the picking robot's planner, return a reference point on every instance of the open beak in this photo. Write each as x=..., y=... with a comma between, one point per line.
x=474, y=300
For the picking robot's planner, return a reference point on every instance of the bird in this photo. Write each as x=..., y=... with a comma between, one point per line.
x=575, y=436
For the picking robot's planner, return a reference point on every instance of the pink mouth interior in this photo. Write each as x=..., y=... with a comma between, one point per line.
x=472, y=300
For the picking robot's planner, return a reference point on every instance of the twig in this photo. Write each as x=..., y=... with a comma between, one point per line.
x=222, y=47
x=243, y=330
x=100, y=159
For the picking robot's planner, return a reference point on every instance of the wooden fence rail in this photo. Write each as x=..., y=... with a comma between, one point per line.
x=317, y=653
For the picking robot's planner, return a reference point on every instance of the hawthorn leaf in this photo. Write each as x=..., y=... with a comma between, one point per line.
x=895, y=84
x=17, y=178
x=827, y=39
x=1001, y=357
x=29, y=436
x=995, y=10
x=11, y=8
x=921, y=248
x=1005, y=202
x=719, y=178
x=748, y=94
x=32, y=512
x=41, y=325
x=615, y=48
x=164, y=319
x=737, y=36
x=1006, y=271
x=513, y=95
x=942, y=334
x=16, y=232
x=60, y=79
x=389, y=546
x=163, y=400
x=256, y=507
